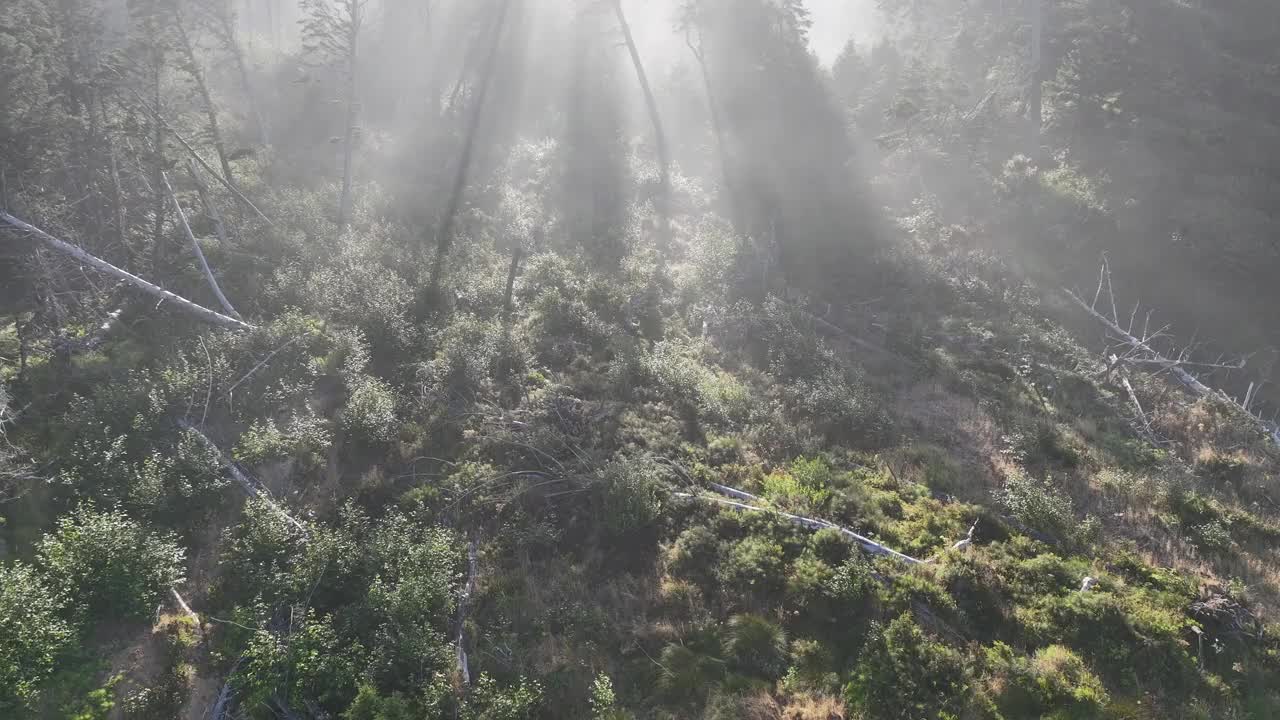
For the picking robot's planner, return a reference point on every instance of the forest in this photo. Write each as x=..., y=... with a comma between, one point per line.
x=639, y=360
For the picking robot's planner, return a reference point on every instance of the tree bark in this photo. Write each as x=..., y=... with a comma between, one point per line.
x=211, y=111
x=444, y=234
x=353, y=39
x=230, y=39
x=659, y=135
x=722, y=149
x=66, y=248
x=210, y=209
x=1175, y=368
x=195, y=248
x=201, y=161
x=516, y=254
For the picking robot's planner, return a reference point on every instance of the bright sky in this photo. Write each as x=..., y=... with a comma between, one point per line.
x=835, y=21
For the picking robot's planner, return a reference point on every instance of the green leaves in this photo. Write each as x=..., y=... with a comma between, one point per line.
x=111, y=566
x=33, y=634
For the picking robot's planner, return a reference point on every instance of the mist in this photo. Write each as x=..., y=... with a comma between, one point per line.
x=639, y=359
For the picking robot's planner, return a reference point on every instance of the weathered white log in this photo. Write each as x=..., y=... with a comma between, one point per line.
x=251, y=486
x=219, y=709
x=195, y=248
x=733, y=492
x=152, y=289
x=1153, y=356
x=183, y=604
x=866, y=543
x=464, y=605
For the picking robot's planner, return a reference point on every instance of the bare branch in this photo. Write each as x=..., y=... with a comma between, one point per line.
x=195, y=248
x=66, y=248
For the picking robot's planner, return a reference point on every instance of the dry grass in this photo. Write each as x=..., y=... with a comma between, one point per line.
x=814, y=707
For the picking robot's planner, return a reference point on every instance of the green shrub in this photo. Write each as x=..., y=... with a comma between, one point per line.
x=756, y=646
x=905, y=675
x=688, y=673
x=490, y=701
x=33, y=635
x=1054, y=683
x=1038, y=504
x=370, y=412
x=694, y=556
x=753, y=567
x=604, y=703
x=629, y=496
x=110, y=564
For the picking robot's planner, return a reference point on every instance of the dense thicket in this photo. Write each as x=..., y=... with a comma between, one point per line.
x=510, y=362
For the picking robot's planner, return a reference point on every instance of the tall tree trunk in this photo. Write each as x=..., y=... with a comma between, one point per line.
x=1035, y=17
x=159, y=206
x=210, y=209
x=659, y=136
x=117, y=195
x=353, y=38
x=231, y=40
x=444, y=234
x=516, y=254
x=722, y=148
x=211, y=111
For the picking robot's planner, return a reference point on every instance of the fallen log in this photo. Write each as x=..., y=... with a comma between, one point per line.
x=464, y=604
x=1175, y=368
x=250, y=486
x=103, y=266
x=866, y=543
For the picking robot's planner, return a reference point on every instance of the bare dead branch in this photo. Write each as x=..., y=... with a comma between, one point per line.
x=195, y=248
x=66, y=248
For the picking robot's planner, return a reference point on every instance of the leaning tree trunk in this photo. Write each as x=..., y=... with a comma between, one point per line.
x=103, y=266
x=211, y=110
x=159, y=205
x=195, y=248
x=659, y=135
x=722, y=147
x=230, y=39
x=444, y=234
x=349, y=133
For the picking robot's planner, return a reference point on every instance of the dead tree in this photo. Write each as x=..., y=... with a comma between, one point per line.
x=195, y=248
x=164, y=125
x=103, y=266
x=250, y=486
x=1139, y=351
x=659, y=135
x=206, y=203
x=464, y=606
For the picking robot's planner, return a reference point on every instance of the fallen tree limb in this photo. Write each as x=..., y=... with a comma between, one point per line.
x=1175, y=368
x=1153, y=356
x=251, y=486
x=196, y=156
x=866, y=543
x=195, y=248
x=219, y=709
x=464, y=605
x=152, y=289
